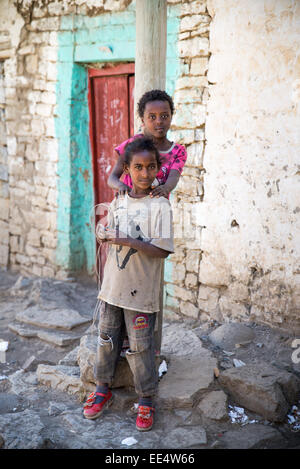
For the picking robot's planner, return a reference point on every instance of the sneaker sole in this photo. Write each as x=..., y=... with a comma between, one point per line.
x=95, y=416
x=140, y=429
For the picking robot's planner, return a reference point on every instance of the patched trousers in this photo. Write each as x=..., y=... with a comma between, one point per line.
x=114, y=323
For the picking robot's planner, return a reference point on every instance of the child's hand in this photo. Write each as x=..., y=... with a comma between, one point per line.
x=123, y=189
x=160, y=191
x=100, y=232
x=113, y=236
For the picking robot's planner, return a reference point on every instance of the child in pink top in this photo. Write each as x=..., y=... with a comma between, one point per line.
x=155, y=109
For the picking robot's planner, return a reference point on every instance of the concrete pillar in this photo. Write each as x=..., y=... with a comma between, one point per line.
x=151, y=44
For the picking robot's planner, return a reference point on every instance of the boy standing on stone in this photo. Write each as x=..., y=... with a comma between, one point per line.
x=140, y=235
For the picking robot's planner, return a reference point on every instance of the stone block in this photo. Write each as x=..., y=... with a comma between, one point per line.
x=189, y=116
x=193, y=7
x=31, y=64
x=180, y=341
x=191, y=280
x=43, y=110
x=189, y=82
x=184, y=136
x=233, y=309
x=86, y=357
x=261, y=388
x=34, y=237
x=61, y=377
x=189, y=309
x=214, y=406
x=199, y=66
x=254, y=436
x=191, y=436
x=183, y=294
x=185, y=96
x=58, y=338
x=4, y=209
x=208, y=298
x=185, y=381
x=45, y=24
x=3, y=172
x=4, y=253
x=31, y=436
x=11, y=146
x=189, y=23
x=229, y=335
x=60, y=319
x=198, y=46
x=48, y=98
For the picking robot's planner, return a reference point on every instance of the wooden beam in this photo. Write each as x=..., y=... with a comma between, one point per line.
x=150, y=74
x=151, y=43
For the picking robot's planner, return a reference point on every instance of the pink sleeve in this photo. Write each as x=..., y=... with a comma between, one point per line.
x=180, y=157
x=121, y=148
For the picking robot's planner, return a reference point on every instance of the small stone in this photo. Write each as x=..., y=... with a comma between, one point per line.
x=30, y=364
x=186, y=380
x=230, y=334
x=254, y=436
x=214, y=406
x=64, y=319
x=262, y=389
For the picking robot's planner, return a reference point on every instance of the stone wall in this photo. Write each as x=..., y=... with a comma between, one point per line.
x=246, y=176
x=237, y=112
x=29, y=147
x=188, y=127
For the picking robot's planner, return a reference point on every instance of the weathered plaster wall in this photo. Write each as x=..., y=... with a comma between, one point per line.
x=48, y=231
x=10, y=28
x=233, y=71
x=188, y=127
x=245, y=264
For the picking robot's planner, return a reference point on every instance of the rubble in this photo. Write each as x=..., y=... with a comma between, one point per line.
x=262, y=388
x=200, y=403
x=231, y=335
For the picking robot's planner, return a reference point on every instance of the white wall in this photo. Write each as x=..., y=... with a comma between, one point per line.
x=252, y=158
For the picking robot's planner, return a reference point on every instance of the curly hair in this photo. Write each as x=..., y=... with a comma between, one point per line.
x=154, y=95
x=139, y=145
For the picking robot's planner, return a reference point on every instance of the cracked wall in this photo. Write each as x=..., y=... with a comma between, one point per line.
x=246, y=266
x=236, y=207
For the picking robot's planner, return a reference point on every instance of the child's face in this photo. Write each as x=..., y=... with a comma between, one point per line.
x=142, y=168
x=157, y=118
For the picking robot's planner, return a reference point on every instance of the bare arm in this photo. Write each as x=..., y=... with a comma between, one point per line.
x=114, y=177
x=112, y=237
x=164, y=189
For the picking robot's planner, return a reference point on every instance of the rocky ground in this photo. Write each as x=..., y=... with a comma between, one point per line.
x=222, y=386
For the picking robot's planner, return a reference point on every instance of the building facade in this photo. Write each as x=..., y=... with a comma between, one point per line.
x=233, y=70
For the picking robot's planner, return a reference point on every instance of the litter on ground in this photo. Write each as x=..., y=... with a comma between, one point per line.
x=3, y=345
x=237, y=415
x=294, y=419
x=238, y=363
x=129, y=441
x=162, y=368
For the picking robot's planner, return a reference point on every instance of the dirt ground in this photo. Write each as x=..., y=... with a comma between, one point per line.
x=270, y=345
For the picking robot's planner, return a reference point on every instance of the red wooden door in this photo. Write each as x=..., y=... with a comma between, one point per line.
x=111, y=122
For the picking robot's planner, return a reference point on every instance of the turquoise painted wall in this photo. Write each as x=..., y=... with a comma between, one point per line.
x=84, y=40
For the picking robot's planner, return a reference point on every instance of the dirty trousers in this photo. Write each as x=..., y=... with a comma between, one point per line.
x=113, y=324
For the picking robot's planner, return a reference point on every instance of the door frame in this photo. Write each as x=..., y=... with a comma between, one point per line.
x=117, y=70
x=108, y=71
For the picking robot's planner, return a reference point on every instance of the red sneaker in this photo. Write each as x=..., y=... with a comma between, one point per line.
x=144, y=419
x=92, y=410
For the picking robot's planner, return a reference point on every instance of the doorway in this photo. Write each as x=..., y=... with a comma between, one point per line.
x=111, y=107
